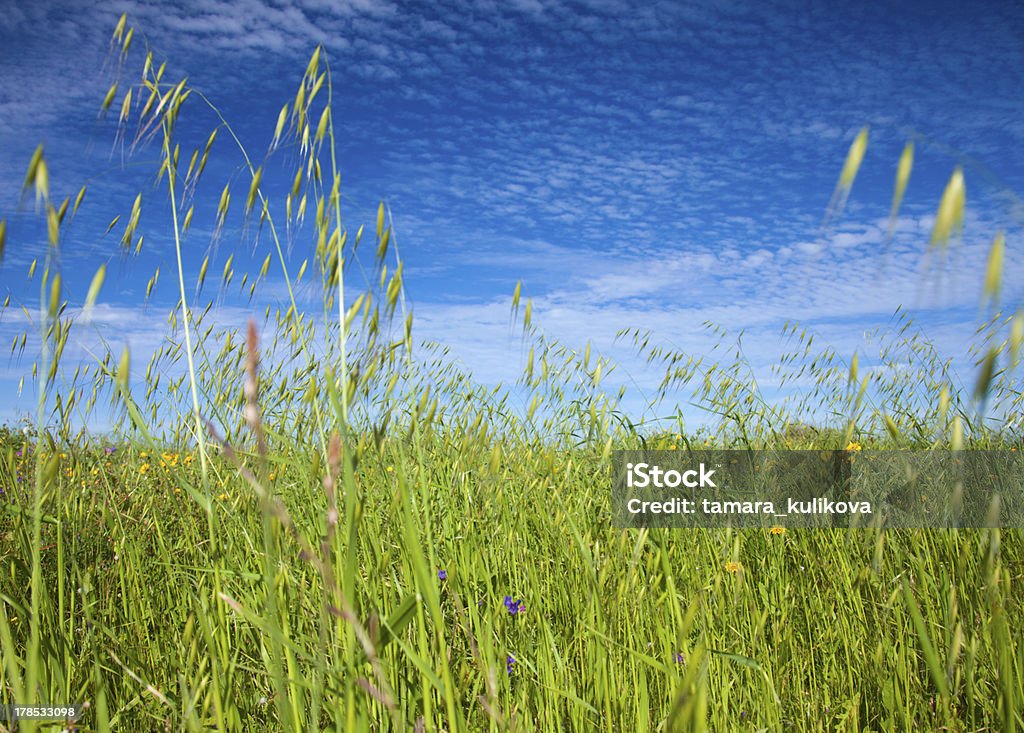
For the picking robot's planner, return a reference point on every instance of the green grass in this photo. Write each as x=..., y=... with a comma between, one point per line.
x=811, y=629
x=262, y=546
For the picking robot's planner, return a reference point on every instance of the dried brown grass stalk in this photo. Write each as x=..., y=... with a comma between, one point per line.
x=252, y=387
x=333, y=471
x=381, y=697
x=277, y=509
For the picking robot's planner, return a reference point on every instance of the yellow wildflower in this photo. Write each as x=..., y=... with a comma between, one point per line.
x=777, y=530
x=143, y=469
x=733, y=567
x=853, y=446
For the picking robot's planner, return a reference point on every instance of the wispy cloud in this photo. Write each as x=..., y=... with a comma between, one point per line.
x=655, y=165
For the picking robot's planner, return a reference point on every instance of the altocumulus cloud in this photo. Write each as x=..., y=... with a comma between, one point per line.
x=652, y=166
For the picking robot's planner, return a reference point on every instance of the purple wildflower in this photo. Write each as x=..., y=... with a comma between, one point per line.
x=514, y=607
x=109, y=450
x=679, y=658
x=511, y=660
x=442, y=575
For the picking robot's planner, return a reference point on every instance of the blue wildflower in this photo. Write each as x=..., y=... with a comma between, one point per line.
x=508, y=664
x=442, y=575
x=514, y=607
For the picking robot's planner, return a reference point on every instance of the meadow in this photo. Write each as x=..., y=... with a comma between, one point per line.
x=314, y=522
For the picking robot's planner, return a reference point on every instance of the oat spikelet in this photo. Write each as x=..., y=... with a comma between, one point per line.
x=252, y=389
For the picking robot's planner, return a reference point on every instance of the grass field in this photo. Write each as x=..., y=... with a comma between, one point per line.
x=313, y=525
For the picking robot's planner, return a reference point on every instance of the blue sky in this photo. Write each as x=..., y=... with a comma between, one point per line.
x=648, y=165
